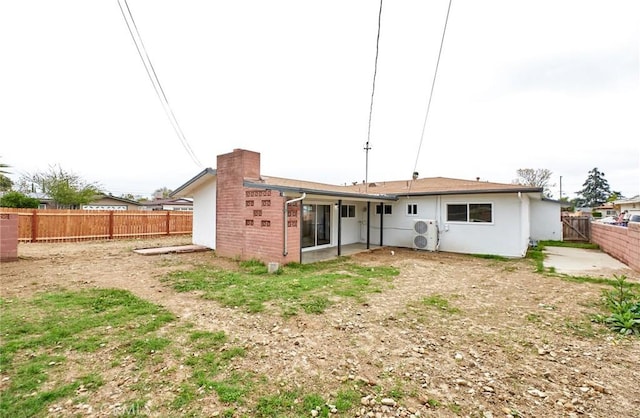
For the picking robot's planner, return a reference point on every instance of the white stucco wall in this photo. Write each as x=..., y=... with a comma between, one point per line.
x=546, y=222
x=204, y=215
x=506, y=236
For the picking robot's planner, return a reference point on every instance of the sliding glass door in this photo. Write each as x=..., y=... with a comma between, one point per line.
x=316, y=225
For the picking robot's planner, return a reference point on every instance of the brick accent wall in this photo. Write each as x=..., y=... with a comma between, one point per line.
x=250, y=222
x=622, y=243
x=8, y=237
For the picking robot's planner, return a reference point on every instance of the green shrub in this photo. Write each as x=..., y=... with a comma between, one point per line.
x=624, y=304
x=18, y=200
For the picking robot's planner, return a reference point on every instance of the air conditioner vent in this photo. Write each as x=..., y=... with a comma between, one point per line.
x=420, y=227
x=425, y=234
x=420, y=242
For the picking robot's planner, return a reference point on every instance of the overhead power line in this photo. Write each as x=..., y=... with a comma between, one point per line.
x=151, y=72
x=373, y=91
x=433, y=84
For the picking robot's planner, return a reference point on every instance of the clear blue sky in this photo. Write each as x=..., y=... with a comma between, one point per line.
x=521, y=84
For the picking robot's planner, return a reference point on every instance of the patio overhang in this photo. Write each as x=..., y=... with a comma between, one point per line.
x=293, y=191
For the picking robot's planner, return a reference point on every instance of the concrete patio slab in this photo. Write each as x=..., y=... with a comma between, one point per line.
x=581, y=261
x=167, y=250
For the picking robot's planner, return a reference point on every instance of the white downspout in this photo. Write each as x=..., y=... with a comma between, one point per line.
x=520, y=223
x=285, y=250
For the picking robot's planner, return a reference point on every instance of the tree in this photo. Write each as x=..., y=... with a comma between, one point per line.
x=5, y=182
x=18, y=200
x=615, y=196
x=64, y=187
x=2, y=168
x=162, y=193
x=538, y=177
x=595, y=190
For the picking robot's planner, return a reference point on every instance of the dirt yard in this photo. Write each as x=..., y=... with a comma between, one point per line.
x=521, y=343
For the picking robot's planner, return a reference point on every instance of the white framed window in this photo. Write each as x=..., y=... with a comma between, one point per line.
x=387, y=209
x=470, y=212
x=412, y=209
x=348, y=211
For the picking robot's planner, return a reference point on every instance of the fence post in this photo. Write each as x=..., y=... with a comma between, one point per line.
x=168, y=222
x=34, y=225
x=111, y=220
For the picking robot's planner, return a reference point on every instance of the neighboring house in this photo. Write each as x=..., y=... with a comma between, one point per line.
x=108, y=202
x=631, y=205
x=606, y=209
x=241, y=213
x=101, y=202
x=168, y=204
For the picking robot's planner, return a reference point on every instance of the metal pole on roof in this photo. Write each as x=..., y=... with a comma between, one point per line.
x=366, y=167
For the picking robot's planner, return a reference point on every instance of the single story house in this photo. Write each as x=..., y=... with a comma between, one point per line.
x=605, y=209
x=630, y=205
x=109, y=202
x=184, y=204
x=244, y=214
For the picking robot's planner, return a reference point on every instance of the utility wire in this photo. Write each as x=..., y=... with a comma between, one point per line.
x=433, y=84
x=151, y=72
x=373, y=90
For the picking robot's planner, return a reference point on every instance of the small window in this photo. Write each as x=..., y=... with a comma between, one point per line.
x=480, y=212
x=470, y=212
x=387, y=209
x=412, y=209
x=457, y=213
x=348, y=211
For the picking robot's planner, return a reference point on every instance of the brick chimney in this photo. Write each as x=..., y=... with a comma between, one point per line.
x=250, y=222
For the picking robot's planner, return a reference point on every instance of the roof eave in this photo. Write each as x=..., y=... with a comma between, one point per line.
x=453, y=192
x=319, y=192
x=180, y=191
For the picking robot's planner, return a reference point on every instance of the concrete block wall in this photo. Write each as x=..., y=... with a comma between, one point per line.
x=250, y=222
x=622, y=243
x=8, y=237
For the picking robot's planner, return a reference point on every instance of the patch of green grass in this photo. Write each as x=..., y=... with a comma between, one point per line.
x=232, y=389
x=440, y=303
x=536, y=254
x=595, y=280
x=207, y=356
x=143, y=348
x=294, y=404
x=37, y=332
x=580, y=328
x=491, y=257
x=208, y=339
x=455, y=408
x=569, y=244
x=306, y=287
x=284, y=404
x=536, y=318
x=186, y=395
x=434, y=403
x=347, y=399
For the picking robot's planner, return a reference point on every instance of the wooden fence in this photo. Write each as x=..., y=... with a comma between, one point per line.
x=49, y=225
x=576, y=228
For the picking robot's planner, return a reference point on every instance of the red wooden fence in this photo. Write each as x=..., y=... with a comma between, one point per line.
x=47, y=225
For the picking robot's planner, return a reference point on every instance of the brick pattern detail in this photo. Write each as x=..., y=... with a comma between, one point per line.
x=622, y=243
x=8, y=237
x=244, y=231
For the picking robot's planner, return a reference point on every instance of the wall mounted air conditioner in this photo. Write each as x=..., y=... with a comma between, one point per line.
x=425, y=234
